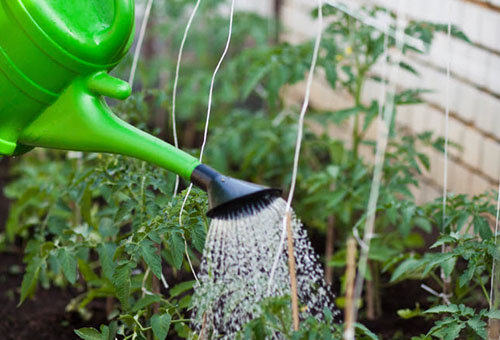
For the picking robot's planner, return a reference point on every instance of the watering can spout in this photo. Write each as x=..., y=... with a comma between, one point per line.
x=81, y=120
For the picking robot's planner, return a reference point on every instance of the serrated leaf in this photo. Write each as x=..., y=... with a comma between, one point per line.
x=181, y=288
x=442, y=309
x=448, y=266
x=405, y=267
x=198, y=236
x=450, y=331
x=68, y=263
x=145, y=301
x=152, y=257
x=466, y=277
x=161, y=325
x=106, y=252
x=482, y=227
x=423, y=223
x=493, y=314
x=366, y=331
x=121, y=281
x=478, y=326
x=90, y=334
x=30, y=278
x=176, y=244
x=253, y=80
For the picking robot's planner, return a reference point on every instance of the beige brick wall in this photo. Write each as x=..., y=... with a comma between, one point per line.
x=474, y=88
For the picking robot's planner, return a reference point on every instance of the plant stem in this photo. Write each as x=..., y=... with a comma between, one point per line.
x=357, y=102
x=483, y=288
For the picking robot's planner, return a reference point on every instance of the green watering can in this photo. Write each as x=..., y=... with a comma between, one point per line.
x=55, y=56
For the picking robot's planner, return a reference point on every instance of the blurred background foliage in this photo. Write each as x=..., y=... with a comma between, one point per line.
x=109, y=225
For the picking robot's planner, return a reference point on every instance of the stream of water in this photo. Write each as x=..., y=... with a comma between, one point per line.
x=237, y=260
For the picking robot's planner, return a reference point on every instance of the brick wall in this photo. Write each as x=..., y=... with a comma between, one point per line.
x=474, y=88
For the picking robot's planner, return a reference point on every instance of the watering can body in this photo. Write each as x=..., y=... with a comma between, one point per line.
x=54, y=61
x=55, y=56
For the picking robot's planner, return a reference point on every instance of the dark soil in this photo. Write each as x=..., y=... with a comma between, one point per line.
x=44, y=317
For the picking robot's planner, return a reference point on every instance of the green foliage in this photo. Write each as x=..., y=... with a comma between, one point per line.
x=459, y=322
x=110, y=226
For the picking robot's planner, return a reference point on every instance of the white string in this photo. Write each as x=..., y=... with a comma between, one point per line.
x=174, y=120
x=383, y=130
x=138, y=47
x=176, y=80
x=493, y=268
x=210, y=95
x=447, y=116
x=298, y=144
x=446, y=133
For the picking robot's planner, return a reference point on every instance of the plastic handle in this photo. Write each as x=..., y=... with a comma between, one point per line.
x=123, y=21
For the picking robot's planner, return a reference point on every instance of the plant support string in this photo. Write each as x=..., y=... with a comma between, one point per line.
x=176, y=80
x=207, y=122
x=140, y=41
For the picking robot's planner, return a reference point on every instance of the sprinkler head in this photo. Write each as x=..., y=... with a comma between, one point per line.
x=229, y=196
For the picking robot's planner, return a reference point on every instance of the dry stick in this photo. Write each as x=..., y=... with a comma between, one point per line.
x=298, y=144
x=446, y=281
x=349, y=291
x=293, y=273
x=383, y=130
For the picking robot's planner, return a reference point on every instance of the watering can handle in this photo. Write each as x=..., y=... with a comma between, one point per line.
x=123, y=20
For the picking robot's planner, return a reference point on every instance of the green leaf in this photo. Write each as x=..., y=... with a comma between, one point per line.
x=442, y=309
x=198, y=235
x=145, y=301
x=410, y=313
x=181, y=288
x=423, y=223
x=161, y=325
x=151, y=256
x=90, y=334
x=450, y=332
x=253, y=80
x=493, y=314
x=176, y=244
x=68, y=263
x=482, y=227
x=122, y=281
x=331, y=73
x=466, y=277
x=405, y=267
x=106, y=252
x=478, y=326
x=30, y=278
x=448, y=265
x=366, y=331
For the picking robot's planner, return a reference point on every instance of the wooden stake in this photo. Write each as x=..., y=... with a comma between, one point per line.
x=293, y=276
x=494, y=329
x=349, y=292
